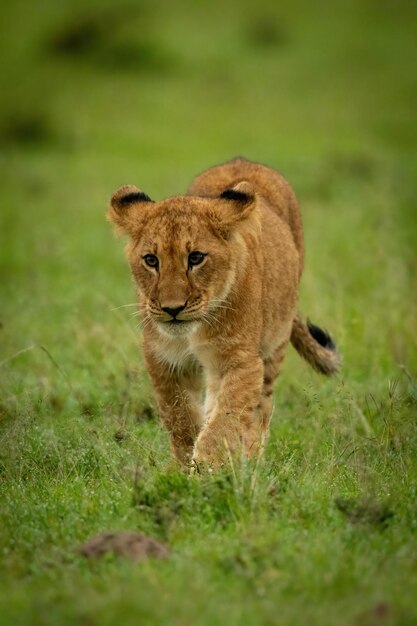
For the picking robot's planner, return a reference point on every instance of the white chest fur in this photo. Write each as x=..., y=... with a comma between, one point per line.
x=174, y=351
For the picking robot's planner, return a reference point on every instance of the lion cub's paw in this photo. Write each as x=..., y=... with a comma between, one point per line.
x=210, y=455
x=201, y=467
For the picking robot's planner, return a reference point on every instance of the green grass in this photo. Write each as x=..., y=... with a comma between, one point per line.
x=96, y=95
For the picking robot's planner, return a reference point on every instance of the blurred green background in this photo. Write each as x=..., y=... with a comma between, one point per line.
x=94, y=95
x=98, y=94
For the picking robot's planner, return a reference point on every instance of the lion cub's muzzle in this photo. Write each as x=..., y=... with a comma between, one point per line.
x=173, y=311
x=175, y=318
x=173, y=315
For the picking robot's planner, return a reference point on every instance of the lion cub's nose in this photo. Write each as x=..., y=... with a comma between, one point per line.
x=173, y=311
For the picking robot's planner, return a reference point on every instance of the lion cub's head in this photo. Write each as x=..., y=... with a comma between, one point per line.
x=185, y=252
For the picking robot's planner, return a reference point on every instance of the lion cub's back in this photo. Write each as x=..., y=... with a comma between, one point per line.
x=267, y=182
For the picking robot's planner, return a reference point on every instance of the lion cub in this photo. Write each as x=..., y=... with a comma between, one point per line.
x=217, y=274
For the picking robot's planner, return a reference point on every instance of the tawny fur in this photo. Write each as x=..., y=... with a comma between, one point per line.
x=222, y=324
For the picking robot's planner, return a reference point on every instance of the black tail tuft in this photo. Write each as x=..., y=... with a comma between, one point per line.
x=321, y=336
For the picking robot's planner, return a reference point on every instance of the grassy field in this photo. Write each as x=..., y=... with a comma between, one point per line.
x=94, y=95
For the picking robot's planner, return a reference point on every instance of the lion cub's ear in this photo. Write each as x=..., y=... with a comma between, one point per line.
x=124, y=205
x=239, y=203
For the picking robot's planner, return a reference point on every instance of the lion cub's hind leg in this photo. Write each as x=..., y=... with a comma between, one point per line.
x=272, y=367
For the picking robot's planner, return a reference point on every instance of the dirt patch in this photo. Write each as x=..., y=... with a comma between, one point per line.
x=128, y=544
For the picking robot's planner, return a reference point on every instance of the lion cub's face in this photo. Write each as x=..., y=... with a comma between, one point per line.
x=183, y=252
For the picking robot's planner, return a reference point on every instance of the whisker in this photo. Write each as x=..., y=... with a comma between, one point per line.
x=122, y=306
x=206, y=318
x=221, y=304
x=146, y=321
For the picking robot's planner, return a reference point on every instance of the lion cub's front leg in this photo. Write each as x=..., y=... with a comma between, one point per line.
x=178, y=393
x=233, y=425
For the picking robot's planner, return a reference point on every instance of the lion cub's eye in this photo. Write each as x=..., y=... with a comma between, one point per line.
x=195, y=258
x=151, y=260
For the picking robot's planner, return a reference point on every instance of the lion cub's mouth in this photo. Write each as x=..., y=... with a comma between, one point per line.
x=177, y=327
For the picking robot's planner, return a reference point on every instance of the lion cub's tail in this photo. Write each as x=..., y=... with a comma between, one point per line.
x=315, y=346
